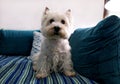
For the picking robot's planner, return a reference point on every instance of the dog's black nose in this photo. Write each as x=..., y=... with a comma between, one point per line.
x=56, y=28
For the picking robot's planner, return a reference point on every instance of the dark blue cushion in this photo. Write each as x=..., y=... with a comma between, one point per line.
x=16, y=42
x=96, y=51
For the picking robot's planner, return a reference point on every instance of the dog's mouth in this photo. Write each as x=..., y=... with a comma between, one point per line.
x=56, y=33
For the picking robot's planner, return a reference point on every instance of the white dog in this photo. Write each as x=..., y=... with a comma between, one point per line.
x=55, y=49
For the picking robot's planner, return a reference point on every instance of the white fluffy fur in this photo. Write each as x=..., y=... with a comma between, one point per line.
x=55, y=53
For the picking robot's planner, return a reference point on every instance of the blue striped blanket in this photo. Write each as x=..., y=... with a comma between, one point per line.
x=18, y=70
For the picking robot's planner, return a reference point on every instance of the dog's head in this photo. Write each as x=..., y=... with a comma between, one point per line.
x=55, y=25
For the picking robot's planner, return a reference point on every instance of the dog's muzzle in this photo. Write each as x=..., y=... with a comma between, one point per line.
x=56, y=30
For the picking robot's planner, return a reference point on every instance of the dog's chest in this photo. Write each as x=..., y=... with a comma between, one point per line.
x=57, y=47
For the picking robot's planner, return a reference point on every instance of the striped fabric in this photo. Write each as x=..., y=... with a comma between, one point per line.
x=18, y=70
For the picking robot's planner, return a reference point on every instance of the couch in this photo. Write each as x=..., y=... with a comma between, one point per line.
x=95, y=55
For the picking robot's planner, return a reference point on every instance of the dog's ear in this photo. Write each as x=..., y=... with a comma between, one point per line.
x=46, y=10
x=68, y=12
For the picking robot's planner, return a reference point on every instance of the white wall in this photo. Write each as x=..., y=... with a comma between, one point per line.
x=26, y=14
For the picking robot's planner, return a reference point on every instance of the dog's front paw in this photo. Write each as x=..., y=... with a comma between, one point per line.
x=69, y=73
x=41, y=75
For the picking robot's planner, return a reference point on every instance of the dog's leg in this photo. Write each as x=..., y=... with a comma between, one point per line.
x=40, y=65
x=34, y=61
x=68, y=65
x=43, y=68
x=34, y=66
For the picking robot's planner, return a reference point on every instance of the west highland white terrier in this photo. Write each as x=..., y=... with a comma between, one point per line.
x=55, y=49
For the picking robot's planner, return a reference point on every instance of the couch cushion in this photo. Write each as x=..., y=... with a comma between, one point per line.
x=96, y=51
x=16, y=42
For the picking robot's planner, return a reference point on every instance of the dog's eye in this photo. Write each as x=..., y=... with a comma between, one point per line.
x=51, y=20
x=63, y=21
